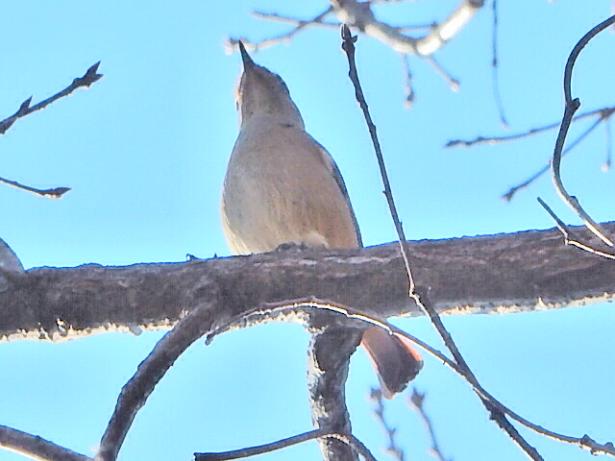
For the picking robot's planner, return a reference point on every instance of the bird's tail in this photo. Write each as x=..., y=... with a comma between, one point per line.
x=396, y=362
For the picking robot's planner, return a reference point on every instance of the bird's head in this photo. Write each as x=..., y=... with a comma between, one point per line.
x=262, y=92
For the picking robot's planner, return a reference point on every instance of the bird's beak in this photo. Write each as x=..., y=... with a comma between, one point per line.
x=245, y=57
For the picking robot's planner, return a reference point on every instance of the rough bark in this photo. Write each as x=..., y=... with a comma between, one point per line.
x=488, y=274
x=329, y=360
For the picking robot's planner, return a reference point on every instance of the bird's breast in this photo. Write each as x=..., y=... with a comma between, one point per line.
x=279, y=189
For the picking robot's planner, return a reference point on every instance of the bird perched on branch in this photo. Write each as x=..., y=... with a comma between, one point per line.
x=283, y=187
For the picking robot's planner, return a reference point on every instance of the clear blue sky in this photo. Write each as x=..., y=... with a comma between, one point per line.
x=145, y=150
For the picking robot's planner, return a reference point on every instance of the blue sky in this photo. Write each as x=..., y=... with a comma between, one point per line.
x=145, y=150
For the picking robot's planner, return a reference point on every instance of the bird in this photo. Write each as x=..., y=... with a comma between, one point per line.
x=282, y=187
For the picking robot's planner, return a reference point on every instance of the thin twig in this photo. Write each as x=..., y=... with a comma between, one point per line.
x=568, y=235
x=416, y=401
x=299, y=25
x=571, y=107
x=376, y=2
x=604, y=112
x=392, y=449
x=420, y=297
x=360, y=15
x=36, y=447
x=453, y=83
x=85, y=81
x=297, y=22
x=494, y=64
x=417, y=27
x=348, y=439
x=408, y=86
x=271, y=311
x=508, y=196
x=56, y=192
x=609, y=147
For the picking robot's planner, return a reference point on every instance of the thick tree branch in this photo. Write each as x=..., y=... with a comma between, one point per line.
x=329, y=360
x=516, y=272
x=135, y=392
x=359, y=14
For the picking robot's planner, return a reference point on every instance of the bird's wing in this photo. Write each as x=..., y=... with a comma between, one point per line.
x=337, y=175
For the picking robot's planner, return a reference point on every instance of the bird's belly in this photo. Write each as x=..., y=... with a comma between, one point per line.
x=266, y=210
x=279, y=189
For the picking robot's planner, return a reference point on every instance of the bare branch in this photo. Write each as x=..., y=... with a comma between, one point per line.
x=317, y=20
x=568, y=235
x=606, y=166
x=571, y=107
x=508, y=196
x=136, y=391
x=416, y=27
x=85, y=81
x=392, y=449
x=92, y=299
x=452, y=82
x=274, y=310
x=604, y=112
x=416, y=401
x=419, y=295
x=494, y=65
x=36, y=447
x=408, y=87
x=9, y=262
x=56, y=192
x=299, y=25
x=359, y=14
x=329, y=359
x=348, y=439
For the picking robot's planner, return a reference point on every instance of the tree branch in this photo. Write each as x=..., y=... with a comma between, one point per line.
x=416, y=401
x=329, y=360
x=508, y=196
x=493, y=405
x=298, y=26
x=392, y=448
x=90, y=76
x=135, y=392
x=604, y=113
x=495, y=274
x=56, y=192
x=36, y=447
x=359, y=14
x=569, y=237
x=494, y=65
x=417, y=293
x=348, y=439
x=572, y=105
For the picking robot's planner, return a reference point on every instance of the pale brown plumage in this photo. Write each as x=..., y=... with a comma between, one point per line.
x=282, y=186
